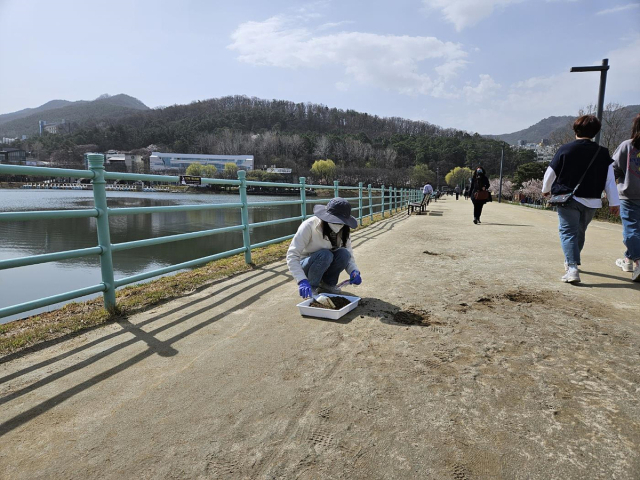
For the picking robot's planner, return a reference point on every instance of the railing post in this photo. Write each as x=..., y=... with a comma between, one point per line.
x=303, y=197
x=96, y=165
x=335, y=189
x=370, y=203
x=395, y=199
x=244, y=213
x=382, y=200
x=360, y=212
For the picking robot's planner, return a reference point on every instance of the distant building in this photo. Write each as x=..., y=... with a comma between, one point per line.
x=8, y=140
x=13, y=155
x=52, y=128
x=178, y=162
x=130, y=161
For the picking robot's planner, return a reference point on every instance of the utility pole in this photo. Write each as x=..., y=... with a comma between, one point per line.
x=603, y=82
x=500, y=190
x=437, y=178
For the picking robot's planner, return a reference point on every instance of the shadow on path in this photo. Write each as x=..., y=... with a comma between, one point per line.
x=155, y=346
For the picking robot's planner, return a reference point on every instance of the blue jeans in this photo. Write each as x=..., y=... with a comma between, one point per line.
x=573, y=221
x=325, y=265
x=630, y=215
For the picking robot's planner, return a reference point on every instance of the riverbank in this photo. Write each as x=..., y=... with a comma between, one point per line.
x=76, y=317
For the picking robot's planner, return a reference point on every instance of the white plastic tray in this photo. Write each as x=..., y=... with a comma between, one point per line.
x=308, y=311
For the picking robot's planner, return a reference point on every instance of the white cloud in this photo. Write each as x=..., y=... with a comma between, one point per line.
x=391, y=62
x=330, y=25
x=619, y=8
x=342, y=86
x=563, y=93
x=465, y=13
x=486, y=88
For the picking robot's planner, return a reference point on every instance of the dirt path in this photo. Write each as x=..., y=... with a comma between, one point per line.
x=504, y=371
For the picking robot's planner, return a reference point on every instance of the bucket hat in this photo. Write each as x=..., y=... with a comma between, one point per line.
x=337, y=210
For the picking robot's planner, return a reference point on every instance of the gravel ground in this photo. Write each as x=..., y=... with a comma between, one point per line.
x=467, y=359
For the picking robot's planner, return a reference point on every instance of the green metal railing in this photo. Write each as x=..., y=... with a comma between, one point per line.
x=390, y=201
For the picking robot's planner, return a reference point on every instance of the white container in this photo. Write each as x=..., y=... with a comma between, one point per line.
x=308, y=311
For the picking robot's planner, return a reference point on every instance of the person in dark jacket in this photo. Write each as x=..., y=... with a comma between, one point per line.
x=479, y=183
x=626, y=167
x=563, y=175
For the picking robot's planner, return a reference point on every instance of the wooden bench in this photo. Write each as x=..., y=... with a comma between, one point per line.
x=421, y=206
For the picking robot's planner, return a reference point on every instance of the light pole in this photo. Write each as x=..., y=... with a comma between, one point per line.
x=500, y=189
x=603, y=82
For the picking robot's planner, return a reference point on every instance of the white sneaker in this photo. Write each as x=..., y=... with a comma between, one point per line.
x=572, y=275
x=329, y=288
x=635, y=276
x=625, y=264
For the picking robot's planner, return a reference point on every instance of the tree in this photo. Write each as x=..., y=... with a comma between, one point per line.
x=507, y=187
x=325, y=170
x=530, y=171
x=230, y=170
x=458, y=176
x=422, y=174
x=194, y=169
x=532, y=190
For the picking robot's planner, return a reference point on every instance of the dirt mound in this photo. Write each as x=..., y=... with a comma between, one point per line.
x=412, y=316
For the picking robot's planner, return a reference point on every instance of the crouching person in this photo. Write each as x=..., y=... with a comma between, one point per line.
x=321, y=249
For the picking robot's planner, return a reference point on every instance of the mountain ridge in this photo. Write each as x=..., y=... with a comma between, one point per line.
x=25, y=122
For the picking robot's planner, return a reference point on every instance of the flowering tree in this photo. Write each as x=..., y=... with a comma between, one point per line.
x=507, y=187
x=532, y=189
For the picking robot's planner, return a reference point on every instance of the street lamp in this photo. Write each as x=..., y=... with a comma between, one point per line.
x=603, y=82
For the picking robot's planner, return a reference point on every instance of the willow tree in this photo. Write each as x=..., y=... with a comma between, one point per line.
x=324, y=170
x=458, y=176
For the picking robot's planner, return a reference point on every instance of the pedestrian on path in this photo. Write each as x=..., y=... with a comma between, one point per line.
x=457, y=190
x=569, y=164
x=321, y=249
x=626, y=167
x=427, y=190
x=479, y=193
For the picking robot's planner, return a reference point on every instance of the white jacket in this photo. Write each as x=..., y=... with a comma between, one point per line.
x=307, y=240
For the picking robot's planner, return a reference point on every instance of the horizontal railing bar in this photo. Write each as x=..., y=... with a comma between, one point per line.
x=43, y=302
x=271, y=242
x=275, y=222
x=253, y=183
x=325, y=187
x=47, y=215
x=320, y=200
x=178, y=266
x=116, y=247
x=274, y=204
x=141, y=177
x=171, y=208
x=219, y=181
x=45, y=171
x=49, y=257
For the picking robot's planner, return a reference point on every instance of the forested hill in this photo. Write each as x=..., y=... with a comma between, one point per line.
x=535, y=133
x=558, y=129
x=82, y=112
x=364, y=147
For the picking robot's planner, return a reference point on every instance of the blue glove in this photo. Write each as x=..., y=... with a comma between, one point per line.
x=355, y=278
x=304, y=288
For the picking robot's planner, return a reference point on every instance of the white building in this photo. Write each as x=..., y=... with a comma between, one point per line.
x=127, y=159
x=178, y=162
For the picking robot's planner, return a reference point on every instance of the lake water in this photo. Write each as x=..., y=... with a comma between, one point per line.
x=19, y=239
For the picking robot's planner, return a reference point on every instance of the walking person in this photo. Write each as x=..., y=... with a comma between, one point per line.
x=580, y=159
x=427, y=190
x=321, y=249
x=626, y=168
x=479, y=193
x=457, y=191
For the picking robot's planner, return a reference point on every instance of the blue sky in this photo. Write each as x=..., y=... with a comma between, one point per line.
x=488, y=66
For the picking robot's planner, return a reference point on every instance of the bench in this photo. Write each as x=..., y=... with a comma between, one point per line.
x=421, y=206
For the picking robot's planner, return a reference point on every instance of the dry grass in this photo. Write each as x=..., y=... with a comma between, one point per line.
x=77, y=316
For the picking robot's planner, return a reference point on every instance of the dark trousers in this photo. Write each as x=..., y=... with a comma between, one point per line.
x=457, y=194
x=477, y=208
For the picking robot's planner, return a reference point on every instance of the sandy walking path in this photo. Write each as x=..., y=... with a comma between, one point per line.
x=503, y=371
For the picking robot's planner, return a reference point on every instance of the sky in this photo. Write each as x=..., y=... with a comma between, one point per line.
x=487, y=66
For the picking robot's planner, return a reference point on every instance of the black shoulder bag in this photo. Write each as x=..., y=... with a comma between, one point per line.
x=562, y=200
